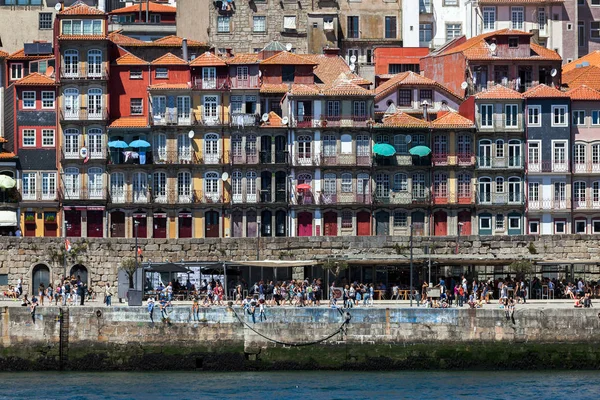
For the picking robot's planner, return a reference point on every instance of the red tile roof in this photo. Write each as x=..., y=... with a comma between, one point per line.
x=3, y=140
x=589, y=76
x=82, y=37
x=3, y=54
x=328, y=68
x=584, y=92
x=452, y=120
x=305, y=90
x=6, y=155
x=154, y=7
x=543, y=91
x=274, y=88
x=118, y=38
x=169, y=86
x=130, y=59
x=273, y=122
x=175, y=41
x=168, y=59
x=80, y=8
x=19, y=55
x=345, y=87
x=592, y=58
x=409, y=79
x=36, y=79
x=243, y=59
x=287, y=58
x=402, y=120
x=129, y=122
x=208, y=59
x=499, y=92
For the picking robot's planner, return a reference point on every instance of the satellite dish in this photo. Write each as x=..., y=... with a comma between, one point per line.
x=191, y=134
x=464, y=85
x=224, y=176
x=58, y=7
x=83, y=152
x=408, y=139
x=288, y=47
x=352, y=67
x=493, y=47
x=265, y=117
x=553, y=72
x=285, y=120
x=352, y=59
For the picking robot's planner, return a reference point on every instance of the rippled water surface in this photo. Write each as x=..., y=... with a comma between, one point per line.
x=304, y=385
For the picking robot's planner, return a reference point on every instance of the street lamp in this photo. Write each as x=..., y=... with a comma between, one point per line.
x=460, y=225
x=65, y=252
x=411, y=265
x=135, y=232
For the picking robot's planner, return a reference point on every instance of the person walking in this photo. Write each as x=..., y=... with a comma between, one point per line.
x=107, y=294
x=81, y=292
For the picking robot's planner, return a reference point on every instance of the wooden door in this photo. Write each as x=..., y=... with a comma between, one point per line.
x=185, y=226
x=117, y=224
x=363, y=221
x=73, y=218
x=237, y=219
x=212, y=224
x=440, y=221
x=50, y=229
x=94, y=223
x=330, y=221
x=382, y=221
x=29, y=229
x=160, y=228
x=464, y=217
x=142, y=229
x=305, y=224
x=251, y=224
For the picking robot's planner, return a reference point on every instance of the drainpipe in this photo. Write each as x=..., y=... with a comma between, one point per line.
x=147, y=11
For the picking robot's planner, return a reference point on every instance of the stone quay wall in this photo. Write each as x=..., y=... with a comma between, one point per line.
x=123, y=338
x=18, y=256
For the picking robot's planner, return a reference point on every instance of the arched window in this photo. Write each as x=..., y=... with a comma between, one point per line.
x=514, y=153
x=304, y=178
x=94, y=69
x=184, y=187
x=71, y=103
x=94, y=141
x=211, y=186
x=139, y=182
x=237, y=149
x=382, y=139
x=184, y=148
x=346, y=182
x=94, y=108
x=211, y=149
x=400, y=183
x=71, y=143
x=72, y=183
x=117, y=187
x=159, y=187
x=485, y=190
x=304, y=148
x=95, y=184
x=251, y=186
x=514, y=190
x=71, y=64
x=160, y=148
x=329, y=184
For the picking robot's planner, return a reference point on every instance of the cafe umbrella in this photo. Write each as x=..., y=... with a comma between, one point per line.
x=421, y=151
x=118, y=144
x=384, y=149
x=139, y=143
x=6, y=182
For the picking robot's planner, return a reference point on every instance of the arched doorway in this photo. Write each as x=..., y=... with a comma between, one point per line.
x=280, y=223
x=117, y=224
x=80, y=271
x=185, y=224
x=464, y=218
x=39, y=274
x=305, y=224
x=142, y=227
x=160, y=225
x=440, y=220
x=330, y=221
x=363, y=222
x=266, y=220
x=237, y=221
x=382, y=221
x=211, y=219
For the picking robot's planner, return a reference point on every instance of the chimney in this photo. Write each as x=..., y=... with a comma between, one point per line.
x=184, y=49
x=331, y=51
x=228, y=52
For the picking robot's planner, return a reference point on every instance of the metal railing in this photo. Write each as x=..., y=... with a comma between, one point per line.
x=500, y=123
x=251, y=83
x=549, y=204
x=241, y=120
x=162, y=196
x=38, y=195
x=171, y=116
x=548, y=166
x=83, y=114
x=441, y=159
x=500, y=162
x=423, y=198
x=83, y=193
x=345, y=198
x=306, y=160
x=82, y=71
x=488, y=198
x=586, y=167
x=586, y=203
x=220, y=82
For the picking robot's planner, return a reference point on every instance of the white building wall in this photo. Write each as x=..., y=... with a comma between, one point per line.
x=410, y=27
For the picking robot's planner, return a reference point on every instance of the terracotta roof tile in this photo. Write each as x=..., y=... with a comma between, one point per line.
x=36, y=79
x=175, y=41
x=208, y=59
x=499, y=92
x=80, y=8
x=154, y=7
x=409, y=79
x=543, y=91
x=274, y=121
x=589, y=76
x=287, y=58
x=5, y=155
x=129, y=122
x=118, y=38
x=305, y=90
x=82, y=37
x=130, y=59
x=328, y=68
x=3, y=140
x=345, y=87
x=545, y=53
x=3, y=54
x=584, y=92
x=168, y=59
x=19, y=55
x=592, y=58
x=402, y=120
x=453, y=120
x=169, y=86
x=274, y=88
x=243, y=59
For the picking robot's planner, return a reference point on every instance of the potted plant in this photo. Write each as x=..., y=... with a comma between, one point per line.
x=50, y=218
x=29, y=218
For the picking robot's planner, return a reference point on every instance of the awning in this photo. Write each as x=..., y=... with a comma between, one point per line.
x=384, y=149
x=276, y=263
x=8, y=218
x=421, y=151
x=168, y=267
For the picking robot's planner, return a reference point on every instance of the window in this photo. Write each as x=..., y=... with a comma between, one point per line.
x=161, y=73
x=581, y=33
x=418, y=186
x=329, y=145
x=400, y=219
x=48, y=100
x=534, y=227
x=382, y=185
x=329, y=184
x=360, y=109
x=559, y=156
x=346, y=183
x=499, y=184
x=71, y=145
x=289, y=23
x=578, y=117
x=28, y=186
x=155, y=18
x=513, y=42
x=511, y=114
x=184, y=187
x=514, y=190
x=440, y=145
x=242, y=73
x=425, y=33
x=499, y=222
x=82, y=27
x=580, y=226
x=489, y=18
x=94, y=142
x=259, y=24
x=595, y=226
x=48, y=137
x=485, y=222
x=514, y=222
x=136, y=107
x=559, y=227
x=135, y=73
x=390, y=28
x=333, y=108
x=579, y=192
x=595, y=29
x=440, y=185
x=405, y=97
x=559, y=116
x=453, y=31
x=579, y=154
x=48, y=185
x=533, y=192
x=287, y=73
x=514, y=153
x=534, y=152
x=464, y=145
x=499, y=148
x=426, y=94
x=533, y=116
x=487, y=112
x=223, y=24
x=464, y=186
x=400, y=183
x=16, y=71
x=517, y=17
x=346, y=219
x=596, y=117
x=353, y=27
x=400, y=144
x=45, y=21
x=29, y=100
x=450, y=2
x=28, y=137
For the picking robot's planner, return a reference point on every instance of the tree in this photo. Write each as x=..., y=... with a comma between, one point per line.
x=521, y=268
x=335, y=267
x=129, y=266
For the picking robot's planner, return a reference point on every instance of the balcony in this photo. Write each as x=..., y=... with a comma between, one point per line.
x=250, y=83
x=583, y=203
x=244, y=158
x=219, y=83
x=306, y=160
x=548, y=167
x=83, y=194
x=344, y=121
x=419, y=198
x=461, y=159
x=345, y=198
x=83, y=114
x=500, y=199
x=549, y=204
x=586, y=168
x=171, y=196
x=401, y=160
x=10, y=196
x=179, y=157
x=345, y=160
x=304, y=199
x=171, y=116
x=83, y=71
x=500, y=162
x=305, y=121
x=242, y=120
x=245, y=197
x=266, y=195
x=75, y=154
x=496, y=123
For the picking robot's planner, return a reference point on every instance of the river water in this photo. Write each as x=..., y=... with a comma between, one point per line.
x=300, y=385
